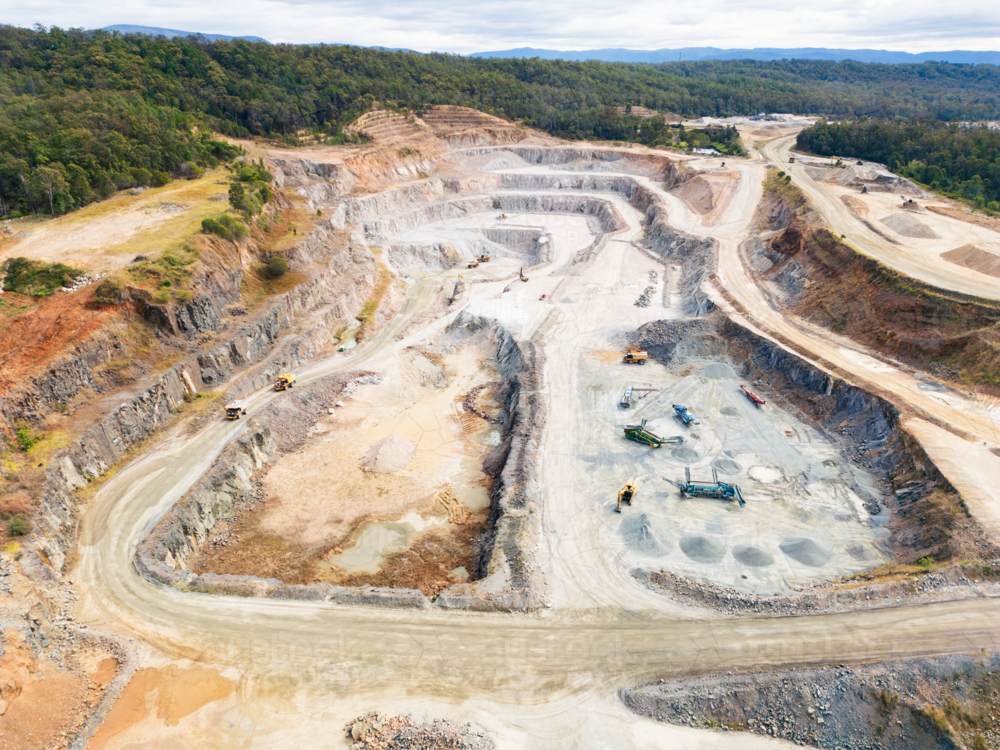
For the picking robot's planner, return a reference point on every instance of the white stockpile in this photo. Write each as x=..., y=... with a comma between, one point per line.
x=391, y=453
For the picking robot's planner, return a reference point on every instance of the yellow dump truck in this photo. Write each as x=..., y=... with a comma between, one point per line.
x=635, y=356
x=284, y=381
x=236, y=409
x=473, y=264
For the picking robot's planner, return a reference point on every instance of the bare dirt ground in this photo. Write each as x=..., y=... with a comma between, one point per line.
x=107, y=235
x=43, y=704
x=325, y=518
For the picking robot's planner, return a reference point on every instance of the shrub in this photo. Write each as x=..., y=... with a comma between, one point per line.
x=25, y=440
x=183, y=296
x=160, y=178
x=277, y=267
x=162, y=297
x=19, y=525
x=36, y=278
x=225, y=226
x=165, y=283
x=108, y=292
x=926, y=562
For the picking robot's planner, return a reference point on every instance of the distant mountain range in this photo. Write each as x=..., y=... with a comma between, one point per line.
x=124, y=28
x=618, y=54
x=760, y=53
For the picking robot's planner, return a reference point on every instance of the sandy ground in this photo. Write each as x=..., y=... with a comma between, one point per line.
x=318, y=496
x=303, y=669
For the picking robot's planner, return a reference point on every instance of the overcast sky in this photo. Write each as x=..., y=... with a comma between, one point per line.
x=465, y=26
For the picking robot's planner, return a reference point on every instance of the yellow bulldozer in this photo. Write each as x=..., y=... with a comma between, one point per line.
x=626, y=494
x=284, y=381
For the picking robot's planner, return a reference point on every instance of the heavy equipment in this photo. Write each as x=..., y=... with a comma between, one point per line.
x=284, y=381
x=626, y=401
x=752, y=396
x=635, y=356
x=473, y=264
x=483, y=258
x=682, y=413
x=520, y=272
x=625, y=494
x=640, y=434
x=236, y=409
x=716, y=490
x=864, y=188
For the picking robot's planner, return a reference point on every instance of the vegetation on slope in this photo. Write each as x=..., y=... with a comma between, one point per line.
x=85, y=113
x=960, y=161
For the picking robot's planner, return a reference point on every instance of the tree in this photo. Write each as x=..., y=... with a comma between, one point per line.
x=48, y=182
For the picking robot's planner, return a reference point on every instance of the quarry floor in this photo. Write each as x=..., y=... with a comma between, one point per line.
x=225, y=672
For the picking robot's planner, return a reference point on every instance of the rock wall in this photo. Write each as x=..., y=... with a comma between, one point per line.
x=332, y=296
x=509, y=577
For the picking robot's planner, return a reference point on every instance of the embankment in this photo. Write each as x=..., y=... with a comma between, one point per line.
x=807, y=270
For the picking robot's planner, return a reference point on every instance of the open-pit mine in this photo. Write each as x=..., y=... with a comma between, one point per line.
x=421, y=539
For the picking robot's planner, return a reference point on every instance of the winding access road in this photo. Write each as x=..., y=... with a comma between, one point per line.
x=561, y=662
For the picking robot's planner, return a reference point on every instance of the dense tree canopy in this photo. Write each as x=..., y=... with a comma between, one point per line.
x=85, y=113
x=960, y=160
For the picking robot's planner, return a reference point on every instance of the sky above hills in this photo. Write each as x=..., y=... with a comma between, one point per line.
x=463, y=27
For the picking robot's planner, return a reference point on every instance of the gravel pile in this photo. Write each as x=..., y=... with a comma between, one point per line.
x=391, y=453
x=376, y=731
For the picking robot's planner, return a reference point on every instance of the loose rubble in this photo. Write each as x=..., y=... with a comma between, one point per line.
x=889, y=706
x=376, y=731
x=950, y=584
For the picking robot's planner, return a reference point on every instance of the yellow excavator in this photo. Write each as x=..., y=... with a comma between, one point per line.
x=625, y=494
x=520, y=273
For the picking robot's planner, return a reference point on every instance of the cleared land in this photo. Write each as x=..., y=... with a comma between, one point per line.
x=612, y=264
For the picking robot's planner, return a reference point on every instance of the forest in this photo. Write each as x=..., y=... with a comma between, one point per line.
x=959, y=160
x=85, y=113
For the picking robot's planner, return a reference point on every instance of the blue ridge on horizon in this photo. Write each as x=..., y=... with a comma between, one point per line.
x=621, y=54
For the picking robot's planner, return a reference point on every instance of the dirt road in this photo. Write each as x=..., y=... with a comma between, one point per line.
x=545, y=680
x=924, y=264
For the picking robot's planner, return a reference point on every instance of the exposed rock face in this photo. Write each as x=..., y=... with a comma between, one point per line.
x=340, y=290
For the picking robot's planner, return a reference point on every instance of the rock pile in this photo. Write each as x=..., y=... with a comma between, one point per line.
x=351, y=387
x=375, y=731
x=646, y=297
x=391, y=453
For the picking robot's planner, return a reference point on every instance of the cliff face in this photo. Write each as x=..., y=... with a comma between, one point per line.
x=346, y=276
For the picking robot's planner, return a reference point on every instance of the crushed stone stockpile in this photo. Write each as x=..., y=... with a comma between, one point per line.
x=909, y=226
x=375, y=731
x=391, y=453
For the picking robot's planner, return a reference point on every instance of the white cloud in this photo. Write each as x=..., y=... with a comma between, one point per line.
x=462, y=26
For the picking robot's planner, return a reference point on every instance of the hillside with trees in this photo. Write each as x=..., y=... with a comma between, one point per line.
x=960, y=161
x=87, y=113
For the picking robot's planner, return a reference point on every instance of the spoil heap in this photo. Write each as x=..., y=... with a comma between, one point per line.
x=391, y=453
